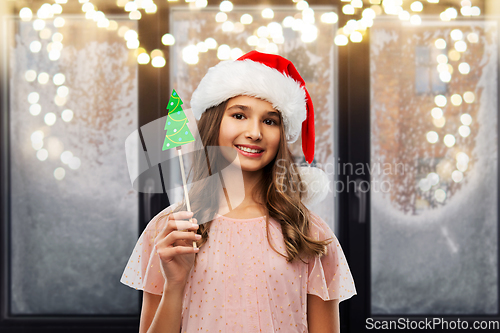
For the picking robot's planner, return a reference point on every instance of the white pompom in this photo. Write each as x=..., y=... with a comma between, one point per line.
x=317, y=185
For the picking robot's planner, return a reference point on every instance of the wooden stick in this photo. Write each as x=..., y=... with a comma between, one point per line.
x=186, y=196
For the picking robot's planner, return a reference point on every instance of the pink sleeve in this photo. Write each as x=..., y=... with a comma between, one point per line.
x=329, y=276
x=143, y=271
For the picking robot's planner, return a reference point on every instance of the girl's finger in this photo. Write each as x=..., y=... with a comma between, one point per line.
x=179, y=236
x=177, y=225
x=183, y=225
x=182, y=215
x=169, y=253
x=165, y=226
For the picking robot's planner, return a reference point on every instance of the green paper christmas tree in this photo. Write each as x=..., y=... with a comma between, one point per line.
x=178, y=132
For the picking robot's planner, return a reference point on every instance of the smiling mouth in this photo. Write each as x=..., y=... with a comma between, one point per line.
x=248, y=150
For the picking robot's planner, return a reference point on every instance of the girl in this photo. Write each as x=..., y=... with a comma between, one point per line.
x=248, y=272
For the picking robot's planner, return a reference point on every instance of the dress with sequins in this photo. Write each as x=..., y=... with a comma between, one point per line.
x=240, y=284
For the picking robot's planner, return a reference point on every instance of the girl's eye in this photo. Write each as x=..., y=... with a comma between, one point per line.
x=236, y=116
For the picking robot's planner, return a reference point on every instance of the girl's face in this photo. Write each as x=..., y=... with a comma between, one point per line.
x=250, y=122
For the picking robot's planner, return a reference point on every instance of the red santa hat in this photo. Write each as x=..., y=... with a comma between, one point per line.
x=277, y=81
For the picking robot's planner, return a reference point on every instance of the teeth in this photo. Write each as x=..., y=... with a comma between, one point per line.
x=249, y=150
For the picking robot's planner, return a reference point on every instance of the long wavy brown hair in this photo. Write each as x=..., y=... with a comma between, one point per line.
x=283, y=201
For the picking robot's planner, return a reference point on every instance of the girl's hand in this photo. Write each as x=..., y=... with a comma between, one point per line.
x=175, y=248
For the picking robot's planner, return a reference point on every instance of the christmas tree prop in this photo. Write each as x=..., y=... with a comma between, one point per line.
x=178, y=134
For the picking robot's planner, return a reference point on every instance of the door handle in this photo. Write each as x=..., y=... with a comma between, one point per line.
x=362, y=187
x=148, y=191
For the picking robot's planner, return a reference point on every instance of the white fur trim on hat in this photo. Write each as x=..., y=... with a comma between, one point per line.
x=317, y=185
x=246, y=77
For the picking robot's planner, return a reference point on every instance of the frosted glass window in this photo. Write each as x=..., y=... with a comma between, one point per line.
x=73, y=213
x=426, y=76
x=434, y=224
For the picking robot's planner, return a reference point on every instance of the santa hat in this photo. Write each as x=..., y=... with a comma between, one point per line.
x=276, y=80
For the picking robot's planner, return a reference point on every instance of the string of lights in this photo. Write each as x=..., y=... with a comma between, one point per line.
x=265, y=38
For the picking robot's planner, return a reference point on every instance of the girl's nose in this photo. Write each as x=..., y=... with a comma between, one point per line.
x=254, y=131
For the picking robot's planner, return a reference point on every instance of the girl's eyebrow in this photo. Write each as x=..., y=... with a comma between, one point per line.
x=247, y=108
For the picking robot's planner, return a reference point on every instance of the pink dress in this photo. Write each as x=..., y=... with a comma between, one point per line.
x=240, y=284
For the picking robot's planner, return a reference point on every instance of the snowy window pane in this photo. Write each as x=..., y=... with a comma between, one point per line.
x=426, y=77
x=422, y=70
x=202, y=42
x=73, y=213
x=434, y=226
